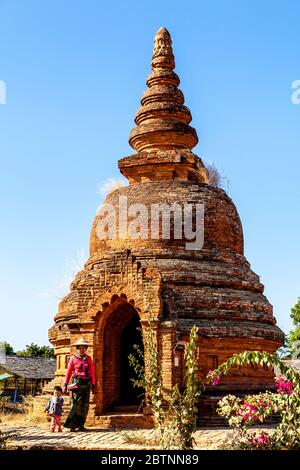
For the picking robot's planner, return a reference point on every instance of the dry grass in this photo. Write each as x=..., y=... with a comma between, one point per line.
x=4, y=438
x=140, y=438
x=35, y=413
x=111, y=185
x=215, y=178
x=30, y=412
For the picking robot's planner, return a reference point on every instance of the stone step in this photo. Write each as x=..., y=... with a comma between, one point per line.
x=117, y=420
x=127, y=409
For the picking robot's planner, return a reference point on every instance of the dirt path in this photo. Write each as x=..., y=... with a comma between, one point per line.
x=28, y=437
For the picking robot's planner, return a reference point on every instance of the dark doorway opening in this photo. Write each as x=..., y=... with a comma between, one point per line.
x=131, y=335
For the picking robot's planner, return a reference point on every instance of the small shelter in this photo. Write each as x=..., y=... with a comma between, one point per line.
x=22, y=375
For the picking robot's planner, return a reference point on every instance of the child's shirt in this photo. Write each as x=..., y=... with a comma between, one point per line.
x=54, y=406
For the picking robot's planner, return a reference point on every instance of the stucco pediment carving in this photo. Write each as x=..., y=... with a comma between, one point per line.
x=145, y=296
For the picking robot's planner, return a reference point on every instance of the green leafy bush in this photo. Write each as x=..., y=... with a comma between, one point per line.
x=174, y=411
x=254, y=409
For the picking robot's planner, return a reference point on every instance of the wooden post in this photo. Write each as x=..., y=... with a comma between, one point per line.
x=36, y=387
x=16, y=389
x=25, y=382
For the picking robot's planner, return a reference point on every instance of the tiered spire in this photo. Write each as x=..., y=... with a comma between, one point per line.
x=163, y=120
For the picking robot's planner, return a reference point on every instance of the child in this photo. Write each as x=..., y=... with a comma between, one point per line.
x=54, y=408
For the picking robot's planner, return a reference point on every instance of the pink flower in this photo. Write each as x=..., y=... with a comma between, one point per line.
x=263, y=404
x=261, y=440
x=283, y=386
x=249, y=412
x=215, y=380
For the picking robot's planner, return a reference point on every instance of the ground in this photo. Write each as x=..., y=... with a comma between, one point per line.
x=30, y=429
x=39, y=436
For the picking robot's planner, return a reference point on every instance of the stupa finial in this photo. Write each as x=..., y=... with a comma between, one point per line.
x=163, y=57
x=163, y=119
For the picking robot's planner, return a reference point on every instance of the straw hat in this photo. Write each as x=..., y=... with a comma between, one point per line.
x=82, y=342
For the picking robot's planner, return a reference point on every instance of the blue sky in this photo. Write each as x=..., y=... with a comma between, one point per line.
x=74, y=73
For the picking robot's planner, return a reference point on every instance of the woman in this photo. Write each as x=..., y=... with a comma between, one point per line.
x=81, y=369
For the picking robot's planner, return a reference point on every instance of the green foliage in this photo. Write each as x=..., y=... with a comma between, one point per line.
x=183, y=408
x=294, y=338
x=9, y=350
x=241, y=414
x=295, y=343
x=261, y=358
x=295, y=313
x=136, y=362
x=174, y=412
x=33, y=350
x=149, y=374
x=295, y=335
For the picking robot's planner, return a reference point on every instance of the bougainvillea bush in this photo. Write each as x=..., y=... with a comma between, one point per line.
x=243, y=414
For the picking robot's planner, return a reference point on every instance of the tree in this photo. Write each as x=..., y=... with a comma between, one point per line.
x=9, y=350
x=295, y=313
x=295, y=333
x=33, y=350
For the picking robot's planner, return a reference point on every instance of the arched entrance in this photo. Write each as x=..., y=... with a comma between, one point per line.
x=130, y=336
x=120, y=330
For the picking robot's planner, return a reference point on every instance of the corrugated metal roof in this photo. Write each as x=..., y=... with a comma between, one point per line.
x=29, y=367
x=5, y=376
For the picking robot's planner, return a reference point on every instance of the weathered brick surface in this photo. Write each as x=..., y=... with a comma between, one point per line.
x=213, y=288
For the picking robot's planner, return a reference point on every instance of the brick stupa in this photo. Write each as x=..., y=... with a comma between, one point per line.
x=125, y=279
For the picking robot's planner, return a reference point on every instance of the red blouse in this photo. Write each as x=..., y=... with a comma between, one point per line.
x=81, y=367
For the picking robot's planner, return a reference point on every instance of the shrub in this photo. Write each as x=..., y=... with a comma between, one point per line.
x=174, y=411
x=254, y=409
